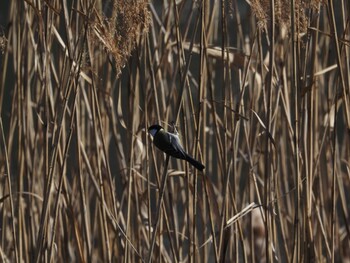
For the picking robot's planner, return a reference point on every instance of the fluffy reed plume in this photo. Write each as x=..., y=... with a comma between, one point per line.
x=261, y=9
x=3, y=42
x=119, y=30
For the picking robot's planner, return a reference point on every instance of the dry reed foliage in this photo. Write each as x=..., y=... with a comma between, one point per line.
x=268, y=115
x=120, y=31
x=3, y=42
x=261, y=9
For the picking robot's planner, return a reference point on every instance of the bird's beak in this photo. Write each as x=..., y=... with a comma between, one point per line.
x=152, y=132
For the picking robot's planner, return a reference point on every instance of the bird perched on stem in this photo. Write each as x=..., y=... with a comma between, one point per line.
x=171, y=145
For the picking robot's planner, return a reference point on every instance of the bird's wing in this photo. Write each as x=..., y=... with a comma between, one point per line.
x=175, y=148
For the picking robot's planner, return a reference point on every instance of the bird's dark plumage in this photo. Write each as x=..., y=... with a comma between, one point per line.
x=170, y=144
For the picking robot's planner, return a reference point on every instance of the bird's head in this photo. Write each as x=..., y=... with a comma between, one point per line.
x=153, y=129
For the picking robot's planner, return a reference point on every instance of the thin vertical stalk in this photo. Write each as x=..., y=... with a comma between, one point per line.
x=296, y=102
x=158, y=211
x=8, y=179
x=268, y=176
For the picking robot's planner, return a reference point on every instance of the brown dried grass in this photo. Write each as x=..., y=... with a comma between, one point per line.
x=261, y=100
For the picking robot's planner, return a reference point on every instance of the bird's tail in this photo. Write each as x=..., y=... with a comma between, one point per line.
x=195, y=163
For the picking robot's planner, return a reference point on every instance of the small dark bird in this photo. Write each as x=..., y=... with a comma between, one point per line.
x=171, y=145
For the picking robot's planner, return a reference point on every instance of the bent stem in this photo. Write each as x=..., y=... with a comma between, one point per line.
x=160, y=201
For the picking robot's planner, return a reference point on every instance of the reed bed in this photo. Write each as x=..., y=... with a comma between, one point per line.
x=259, y=94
